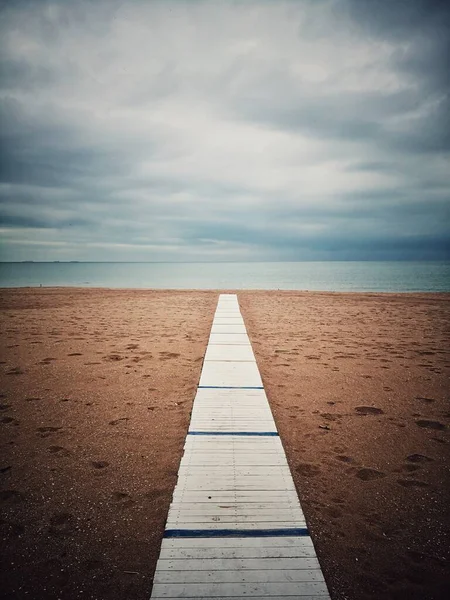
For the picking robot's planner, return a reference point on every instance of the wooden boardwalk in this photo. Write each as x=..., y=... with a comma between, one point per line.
x=235, y=527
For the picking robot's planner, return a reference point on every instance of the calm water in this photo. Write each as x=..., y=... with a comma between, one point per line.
x=331, y=276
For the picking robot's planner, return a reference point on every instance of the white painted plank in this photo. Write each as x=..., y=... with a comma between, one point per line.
x=212, y=558
x=239, y=590
x=233, y=374
x=231, y=396
x=236, y=507
x=267, y=443
x=233, y=522
x=228, y=338
x=230, y=443
x=257, y=575
x=302, y=543
x=238, y=483
x=244, y=442
x=234, y=352
x=235, y=472
x=228, y=320
x=239, y=507
x=229, y=512
x=239, y=328
x=256, y=496
x=234, y=459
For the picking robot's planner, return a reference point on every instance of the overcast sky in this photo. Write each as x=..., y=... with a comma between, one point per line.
x=251, y=130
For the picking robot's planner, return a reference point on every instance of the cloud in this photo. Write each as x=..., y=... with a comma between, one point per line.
x=261, y=130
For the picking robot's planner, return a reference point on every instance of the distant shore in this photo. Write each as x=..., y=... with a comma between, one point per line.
x=97, y=388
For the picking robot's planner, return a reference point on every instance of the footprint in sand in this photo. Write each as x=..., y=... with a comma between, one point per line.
x=31, y=399
x=10, y=529
x=46, y=361
x=430, y=424
x=62, y=524
x=155, y=495
x=408, y=467
x=345, y=459
x=99, y=464
x=92, y=564
x=338, y=500
x=423, y=399
x=408, y=483
x=9, y=421
x=331, y=416
x=5, y=406
x=369, y=410
x=308, y=469
x=15, y=371
x=46, y=431
x=59, y=450
x=122, y=498
x=11, y=497
x=418, y=458
x=114, y=357
x=367, y=474
x=75, y=354
x=333, y=512
x=168, y=355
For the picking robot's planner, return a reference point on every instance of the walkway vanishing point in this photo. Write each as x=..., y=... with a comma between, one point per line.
x=235, y=527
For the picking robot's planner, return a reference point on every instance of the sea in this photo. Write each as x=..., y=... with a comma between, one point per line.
x=350, y=276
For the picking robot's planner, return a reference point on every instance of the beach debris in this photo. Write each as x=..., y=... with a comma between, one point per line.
x=327, y=427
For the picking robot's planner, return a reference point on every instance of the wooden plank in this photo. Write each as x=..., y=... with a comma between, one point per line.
x=234, y=352
x=244, y=443
x=257, y=575
x=302, y=544
x=239, y=328
x=216, y=485
x=238, y=590
x=235, y=508
x=236, y=472
x=229, y=460
x=178, y=518
x=248, y=557
x=181, y=495
x=228, y=320
x=211, y=507
x=231, y=374
x=229, y=338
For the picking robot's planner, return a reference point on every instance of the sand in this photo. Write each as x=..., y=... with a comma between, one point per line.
x=359, y=388
x=97, y=388
x=97, y=391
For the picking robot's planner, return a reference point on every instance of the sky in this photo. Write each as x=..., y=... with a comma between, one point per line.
x=224, y=130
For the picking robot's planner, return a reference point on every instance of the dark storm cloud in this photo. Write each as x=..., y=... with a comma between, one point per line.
x=228, y=130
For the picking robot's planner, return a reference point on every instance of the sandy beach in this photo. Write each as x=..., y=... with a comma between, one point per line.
x=97, y=388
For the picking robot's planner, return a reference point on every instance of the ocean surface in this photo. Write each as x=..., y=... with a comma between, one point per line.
x=324, y=276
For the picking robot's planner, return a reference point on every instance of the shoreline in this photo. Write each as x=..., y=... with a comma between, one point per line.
x=98, y=385
x=220, y=290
